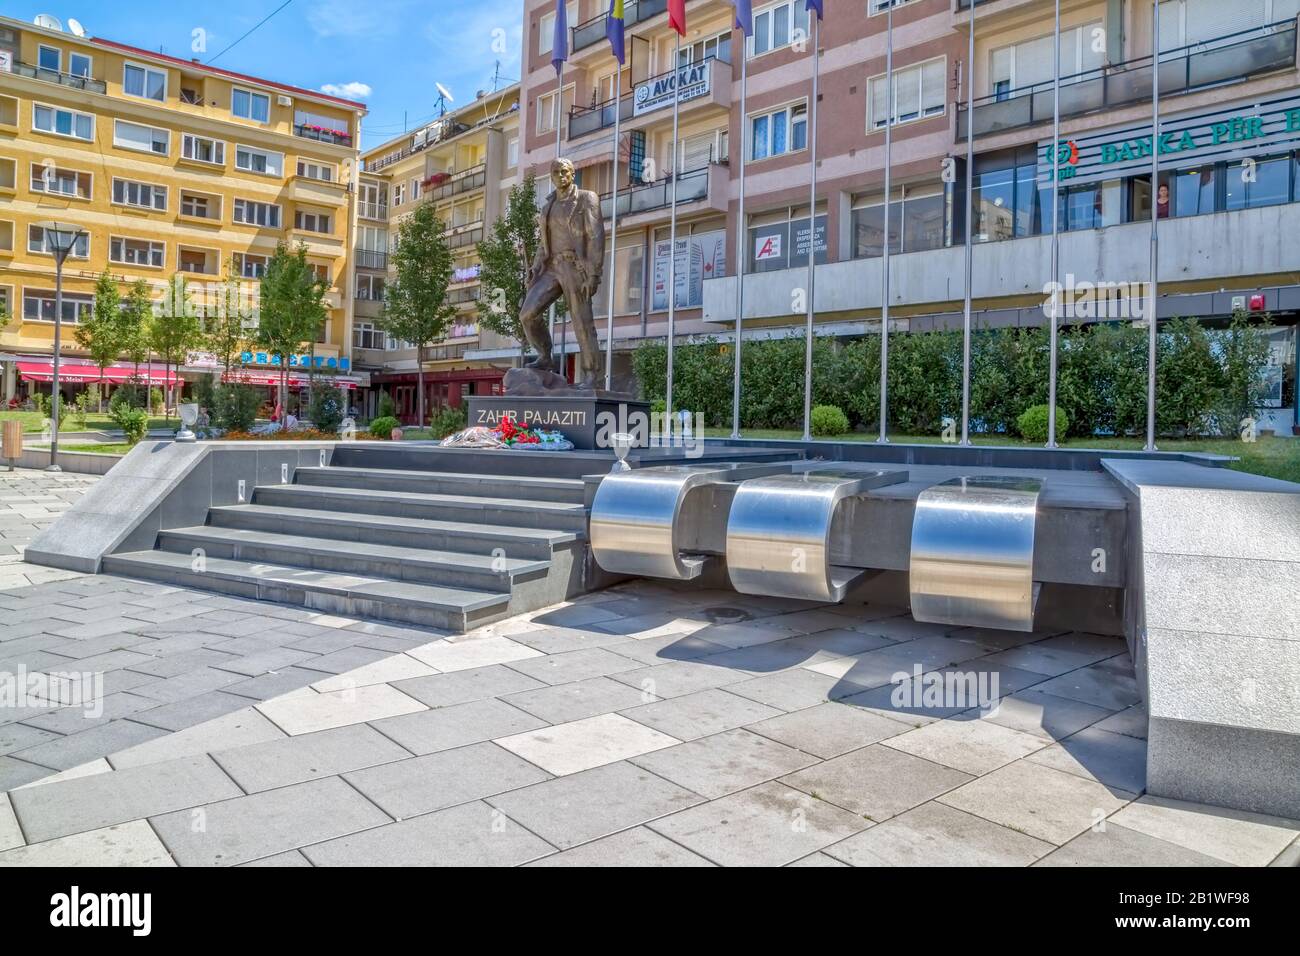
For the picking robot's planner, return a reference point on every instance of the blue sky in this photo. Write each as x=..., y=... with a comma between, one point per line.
x=388, y=53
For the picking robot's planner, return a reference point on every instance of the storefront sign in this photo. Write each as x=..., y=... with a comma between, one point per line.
x=295, y=361
x=693, y=81
x=1187, y=140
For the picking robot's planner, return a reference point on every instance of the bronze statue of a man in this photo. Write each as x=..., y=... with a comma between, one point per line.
x=569, y=262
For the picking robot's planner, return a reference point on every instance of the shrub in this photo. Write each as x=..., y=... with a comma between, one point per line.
x=156, y=400
x=829, y=421
x=382, y=427
x=1032, y=423
x=234, y=406
x=301, y=434
x=447, y=421
x=326, y=409
x=386, y=407
x=134, y=423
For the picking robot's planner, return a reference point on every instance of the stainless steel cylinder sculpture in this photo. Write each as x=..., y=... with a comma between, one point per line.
x=779, y=529
x=972, y=559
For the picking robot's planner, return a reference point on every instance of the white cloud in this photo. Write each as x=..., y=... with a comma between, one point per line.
x=348, y=91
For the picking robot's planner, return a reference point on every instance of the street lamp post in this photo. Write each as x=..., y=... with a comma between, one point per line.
x=60, y=240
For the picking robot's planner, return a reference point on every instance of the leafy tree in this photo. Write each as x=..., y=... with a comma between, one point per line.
x=98, y=333
x=132, y=330
x=292, y=310
x=226, y=332
x=173, y=327
x=416, y=309
x=1244, y=350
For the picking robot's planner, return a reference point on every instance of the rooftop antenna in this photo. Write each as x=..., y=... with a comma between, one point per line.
x=75, y=27
x=48, y=22
x=444, y=97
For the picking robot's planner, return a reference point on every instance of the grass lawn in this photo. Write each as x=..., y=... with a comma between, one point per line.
x=107, y=449
x=1273, y=457
x=34, y=422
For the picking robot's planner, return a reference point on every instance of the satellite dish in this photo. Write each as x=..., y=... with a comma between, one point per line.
x=48, y=22
x=75, y=27
x=445, y=93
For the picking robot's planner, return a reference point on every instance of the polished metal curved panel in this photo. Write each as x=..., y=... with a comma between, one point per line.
x=972, y=557
x=638, y=517
x=778, y=532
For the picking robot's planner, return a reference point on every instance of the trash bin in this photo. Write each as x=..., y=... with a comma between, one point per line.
x=13, y=441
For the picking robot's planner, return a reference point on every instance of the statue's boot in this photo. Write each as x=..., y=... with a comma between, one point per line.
x=543, y=363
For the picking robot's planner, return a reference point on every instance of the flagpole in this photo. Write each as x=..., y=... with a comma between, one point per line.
x=742, y=243
x=970, y=232
x=1056, y=231
x=812, y=236
x=611, y=279
x=559, y=116
x=1153, y=318
x=672, y=233
x=884, y=282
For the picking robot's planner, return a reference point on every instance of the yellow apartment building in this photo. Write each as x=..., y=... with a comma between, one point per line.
x=465, y=163
x=168, y=166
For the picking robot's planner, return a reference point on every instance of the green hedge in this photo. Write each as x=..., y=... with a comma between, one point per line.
x=1207, y=379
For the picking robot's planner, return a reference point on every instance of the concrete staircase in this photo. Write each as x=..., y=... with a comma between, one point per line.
x=438, y=549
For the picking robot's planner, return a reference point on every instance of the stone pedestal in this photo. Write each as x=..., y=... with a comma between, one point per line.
x=586, y=417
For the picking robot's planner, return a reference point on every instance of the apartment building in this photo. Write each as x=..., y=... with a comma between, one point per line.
x=169, y=166
x=465, y=163
x=1229, y=190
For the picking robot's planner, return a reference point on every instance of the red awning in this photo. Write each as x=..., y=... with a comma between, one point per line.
x=114, y=374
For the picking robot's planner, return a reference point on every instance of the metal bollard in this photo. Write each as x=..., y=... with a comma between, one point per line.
x=13, y=441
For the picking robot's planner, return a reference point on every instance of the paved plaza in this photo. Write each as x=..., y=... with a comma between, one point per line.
x=637, y=725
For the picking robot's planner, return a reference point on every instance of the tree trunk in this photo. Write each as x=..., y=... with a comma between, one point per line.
x=283, y=400
x=419, y=385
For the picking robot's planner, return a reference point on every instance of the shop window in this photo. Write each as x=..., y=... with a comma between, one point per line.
x=1266, y=182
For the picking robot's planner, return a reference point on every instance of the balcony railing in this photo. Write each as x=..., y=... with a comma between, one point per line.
x=634, y=11
x=459, y=296
x=1231, y=57
x=371, y=259
x=589, y=119
x=691, y=187
x=470, y=233
x=464, y=181
x=373, y=210
x=87, y=83
x=322, y=135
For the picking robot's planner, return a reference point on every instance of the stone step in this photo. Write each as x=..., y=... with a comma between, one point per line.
x=553, y=515
x=353, y=595
x=483, y=572
x=511, y=487
x=513, y=542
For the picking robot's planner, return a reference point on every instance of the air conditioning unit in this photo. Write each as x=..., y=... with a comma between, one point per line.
x=283, y=100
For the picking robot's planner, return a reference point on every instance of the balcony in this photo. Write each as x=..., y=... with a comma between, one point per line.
x=370, y=259
x=86, y=83
x=458, y=237
x=634, y=12
x=377, y=211
x=696, y=185
x=1226, y=59
x=320, y=134
x=712, y=89
x=441, y=186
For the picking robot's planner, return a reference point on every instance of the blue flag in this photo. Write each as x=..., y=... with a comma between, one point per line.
x=815, y=6
x=614, y=25
x=745, y=16
x=560, y=44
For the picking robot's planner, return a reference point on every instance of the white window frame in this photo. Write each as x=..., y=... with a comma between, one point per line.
x=218, y=146
x=156, y=190
x=146, y=69
x=569, y=90
x=399, y=193
x=512, y=152
x=1082, y=34
x=212, y=199
x=74, y=114
x=792, y=9
x=243, y=262
x=265, y=154
x=155, y=245
x=73, y=57
x=546, y=26
x=304, y=167
x=152, y=151
x=919, y=68
x=240, y=202
x=252, y=98
x=789, y=109
x=301, y=216
x=58, y=54
x=82, y=304
x=43, y=250
x=38, y=176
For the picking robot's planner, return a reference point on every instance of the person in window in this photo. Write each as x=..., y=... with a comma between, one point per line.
x=1162, y=201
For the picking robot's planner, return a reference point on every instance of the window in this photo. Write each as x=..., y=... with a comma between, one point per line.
x=146, y=139
x=1188, y=22
x=714, y=47
x=79, y=65
x=249, y=105
x=252, y=213
x=49, y=58
x=1030, y=62
x=38, y=306
x=512, y=152
x=197, y=261
x=251, y=266
x=370, y=288
x=546, y=26
x=49, y=119
x=321, y=171
x=778, y=26
x=201, y=149
x=366, y=336
x=1007, y=199
x=919, y=92
x=199, y=206
x=144, y=81
x=916, y=223
x=548, y=114
x=136, y=252
x=127, y=192
x=61, y=182
x=311, y=221
x=399, y=193
x=781, y=131
x=1195, y=190
x=1271, y=184
x=779, y=240
x=37, y=242
x=259, y=161
x=415, y=189
x=190, y=96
